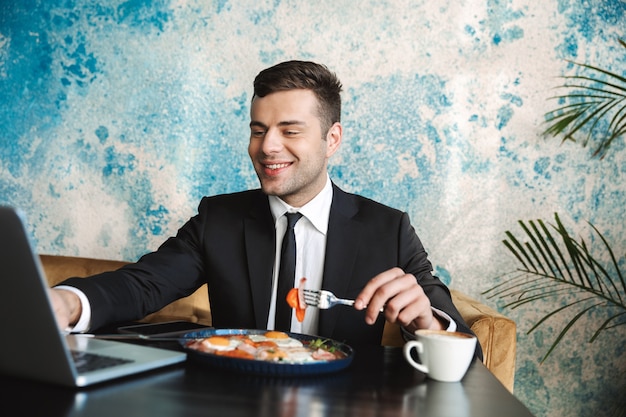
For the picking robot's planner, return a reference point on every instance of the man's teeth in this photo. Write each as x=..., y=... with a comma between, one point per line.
x=277, y=166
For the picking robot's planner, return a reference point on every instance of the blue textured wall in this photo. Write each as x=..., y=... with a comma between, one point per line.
x=117, y=117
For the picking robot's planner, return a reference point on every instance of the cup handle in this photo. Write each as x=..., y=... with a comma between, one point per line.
x=408, y=346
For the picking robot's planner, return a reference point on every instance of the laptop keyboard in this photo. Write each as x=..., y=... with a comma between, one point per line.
x=86, y=362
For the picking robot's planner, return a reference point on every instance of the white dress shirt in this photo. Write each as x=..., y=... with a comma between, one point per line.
x=310, y=234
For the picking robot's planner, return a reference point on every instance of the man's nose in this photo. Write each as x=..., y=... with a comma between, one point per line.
x=272, y=141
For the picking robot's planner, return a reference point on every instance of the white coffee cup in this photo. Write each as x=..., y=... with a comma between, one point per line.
x=444, y=356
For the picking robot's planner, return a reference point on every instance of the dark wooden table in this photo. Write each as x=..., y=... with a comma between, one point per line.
x=378, y=383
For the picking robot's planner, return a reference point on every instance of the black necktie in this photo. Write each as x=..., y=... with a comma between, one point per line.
x=286, y=274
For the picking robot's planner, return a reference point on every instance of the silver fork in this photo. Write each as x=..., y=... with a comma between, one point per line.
x=324, y=299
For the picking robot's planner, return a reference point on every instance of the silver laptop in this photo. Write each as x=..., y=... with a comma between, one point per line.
x=32, y=346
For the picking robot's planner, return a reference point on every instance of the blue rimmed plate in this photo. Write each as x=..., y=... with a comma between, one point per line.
x=261, y=367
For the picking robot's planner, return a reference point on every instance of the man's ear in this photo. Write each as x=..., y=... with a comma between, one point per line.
x=333, y=139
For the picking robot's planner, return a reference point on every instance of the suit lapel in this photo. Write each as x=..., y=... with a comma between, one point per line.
x=260, y=244
x=341, y=251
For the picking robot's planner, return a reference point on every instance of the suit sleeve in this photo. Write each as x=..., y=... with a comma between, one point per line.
x=173, y=271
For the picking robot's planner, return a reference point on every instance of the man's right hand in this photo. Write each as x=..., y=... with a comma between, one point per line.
x=67, y=307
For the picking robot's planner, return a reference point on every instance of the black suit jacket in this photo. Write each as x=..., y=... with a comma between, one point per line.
x=230, y=245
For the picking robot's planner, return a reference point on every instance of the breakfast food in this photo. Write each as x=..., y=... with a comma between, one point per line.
x=295, y=299
x=271, y=346
x=292, y=300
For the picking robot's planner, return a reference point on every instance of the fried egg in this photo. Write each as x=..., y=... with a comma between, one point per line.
x=220, y=343
x=280, y=338
x=275, y=334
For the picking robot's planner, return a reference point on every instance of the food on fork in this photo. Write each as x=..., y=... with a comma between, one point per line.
x=295, y=299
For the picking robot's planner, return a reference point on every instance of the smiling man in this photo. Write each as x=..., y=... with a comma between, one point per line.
x=345, y=243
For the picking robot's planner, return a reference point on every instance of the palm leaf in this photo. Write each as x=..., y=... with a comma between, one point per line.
x=563, y=272
x=605, y=325
x=565, y=330
x=593, y=106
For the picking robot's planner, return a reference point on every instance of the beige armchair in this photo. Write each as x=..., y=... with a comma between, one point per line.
x=496, y=333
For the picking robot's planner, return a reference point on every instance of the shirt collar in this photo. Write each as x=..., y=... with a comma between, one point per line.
x=317, y=211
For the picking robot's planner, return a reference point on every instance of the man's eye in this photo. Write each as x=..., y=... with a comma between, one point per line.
x=257, y=133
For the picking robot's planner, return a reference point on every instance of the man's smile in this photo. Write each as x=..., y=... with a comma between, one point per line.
x=277, y=166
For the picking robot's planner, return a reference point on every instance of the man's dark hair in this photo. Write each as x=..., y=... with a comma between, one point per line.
x=292, y=75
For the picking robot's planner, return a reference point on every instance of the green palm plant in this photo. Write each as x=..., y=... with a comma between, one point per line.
x=554, y=265
x=594, y=106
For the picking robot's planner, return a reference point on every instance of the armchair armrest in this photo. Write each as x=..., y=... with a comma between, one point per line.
x=496, y=334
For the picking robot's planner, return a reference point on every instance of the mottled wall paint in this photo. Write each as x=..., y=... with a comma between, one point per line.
x=117, y=117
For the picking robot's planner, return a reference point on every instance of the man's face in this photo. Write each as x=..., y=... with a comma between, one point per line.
x=287, y=147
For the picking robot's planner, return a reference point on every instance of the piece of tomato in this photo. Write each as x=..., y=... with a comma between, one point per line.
x=301, y=293
x=292, y=300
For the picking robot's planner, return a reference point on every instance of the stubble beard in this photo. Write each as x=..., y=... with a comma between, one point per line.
x=303, y=185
